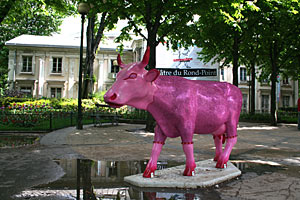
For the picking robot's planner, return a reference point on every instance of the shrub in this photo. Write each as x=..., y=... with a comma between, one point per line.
x=5, y=101
x=99, y=95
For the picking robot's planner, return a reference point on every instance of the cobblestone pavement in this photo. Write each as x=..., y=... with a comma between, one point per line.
x=22, y=168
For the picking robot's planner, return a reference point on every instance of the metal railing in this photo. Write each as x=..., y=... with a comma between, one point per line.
x=49, y=121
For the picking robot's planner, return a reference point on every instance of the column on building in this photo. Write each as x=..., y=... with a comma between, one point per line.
x=100, y=80
x=12, y=63
x=41, y=77
x=71, y=82
x=45, y=89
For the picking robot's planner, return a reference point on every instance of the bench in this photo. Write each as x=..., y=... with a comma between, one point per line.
x=98, y=116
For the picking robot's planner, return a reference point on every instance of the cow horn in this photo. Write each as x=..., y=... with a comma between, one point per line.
x=146, y=57
x=120, y=63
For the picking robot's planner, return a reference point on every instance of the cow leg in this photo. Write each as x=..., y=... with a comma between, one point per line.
x=231, y=138
x=190, y=165
x=219, y=146
x=218, y=136
x=159, y=141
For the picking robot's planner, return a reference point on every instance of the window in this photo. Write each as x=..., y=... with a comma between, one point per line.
x=56, y=65
x=265, y=103
x=245, y=100
x=243, y=74
x=285, y=81
x=265, y=81
x=114, y=66
x=55, y=92
x=27, y=64
x=27, y=90
x=222, y=74
x=138, y=54
x=286, y=101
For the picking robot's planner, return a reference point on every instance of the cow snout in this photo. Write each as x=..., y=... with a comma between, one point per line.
x=110, y=97
x=113, y=97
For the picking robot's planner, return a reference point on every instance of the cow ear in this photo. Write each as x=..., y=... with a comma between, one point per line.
x=152, y=75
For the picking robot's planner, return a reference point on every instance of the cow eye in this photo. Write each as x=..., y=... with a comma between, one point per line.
x=131, y=76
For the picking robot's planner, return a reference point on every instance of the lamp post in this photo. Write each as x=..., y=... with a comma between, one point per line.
x=83, y=9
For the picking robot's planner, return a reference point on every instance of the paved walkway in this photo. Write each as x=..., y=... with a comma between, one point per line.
x=130, y=142
x=257, y=143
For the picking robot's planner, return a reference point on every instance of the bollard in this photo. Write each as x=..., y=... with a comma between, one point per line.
x=299, y=114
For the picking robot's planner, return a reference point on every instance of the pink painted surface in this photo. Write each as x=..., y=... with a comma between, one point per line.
x=181, y=108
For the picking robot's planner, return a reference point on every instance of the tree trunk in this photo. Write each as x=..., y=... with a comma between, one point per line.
x=88, y=191
x=235, y=62
x=273, y=99
x=274, y=74
x=92, y=46
x=253, y=78
x=89, y=57
x=150, y=123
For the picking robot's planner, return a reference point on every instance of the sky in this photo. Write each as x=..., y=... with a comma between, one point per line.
x=71, y=26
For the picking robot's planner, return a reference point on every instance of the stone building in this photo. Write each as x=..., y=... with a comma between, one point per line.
x=48, y=66
x=286, y=92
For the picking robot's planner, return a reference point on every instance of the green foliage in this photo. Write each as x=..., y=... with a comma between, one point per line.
x=257, y=117
x=9, y=100
x=161, y=19
x=24, y=114
x=99, y=96
x=283, y=117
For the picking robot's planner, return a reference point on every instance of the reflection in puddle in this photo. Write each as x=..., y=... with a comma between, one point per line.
x=87, y=179
x=257, y=166
x=105, y=180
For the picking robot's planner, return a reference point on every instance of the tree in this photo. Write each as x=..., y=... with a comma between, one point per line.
x=220, y=33
x=95, y=30
x=160, y=18
x=279, y=35
x=250, y=48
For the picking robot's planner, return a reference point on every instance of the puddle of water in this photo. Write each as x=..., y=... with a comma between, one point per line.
x=257, y=167
x=105, y=180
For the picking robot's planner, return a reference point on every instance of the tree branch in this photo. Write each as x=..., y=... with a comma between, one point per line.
x=100, y=31
x=158, y=16
x=138, y=30
x=137, y=9
x=5, y=10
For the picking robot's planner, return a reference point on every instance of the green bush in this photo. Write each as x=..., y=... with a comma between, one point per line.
x=99, y=96
x=257, y=117
x=6, y=101
x=283, y=117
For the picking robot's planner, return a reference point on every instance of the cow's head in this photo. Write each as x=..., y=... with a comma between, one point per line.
x=134, y=85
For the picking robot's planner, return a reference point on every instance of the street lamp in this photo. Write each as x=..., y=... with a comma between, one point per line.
x=83, y=9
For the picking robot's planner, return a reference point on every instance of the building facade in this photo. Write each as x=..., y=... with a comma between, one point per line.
x=286, y=90
x=44, y=66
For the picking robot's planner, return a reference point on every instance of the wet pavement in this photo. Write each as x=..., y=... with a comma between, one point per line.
x=269, y=158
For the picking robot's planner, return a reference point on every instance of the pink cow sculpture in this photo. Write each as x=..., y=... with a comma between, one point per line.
x=181, y=108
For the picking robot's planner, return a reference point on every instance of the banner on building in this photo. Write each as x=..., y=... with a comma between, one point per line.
x=194, y=72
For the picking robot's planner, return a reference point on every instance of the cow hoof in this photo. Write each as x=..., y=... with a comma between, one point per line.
x=189, y=172
x=221, y=166
x=148, y=173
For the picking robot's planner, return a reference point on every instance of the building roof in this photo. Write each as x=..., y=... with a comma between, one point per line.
x=59, y=41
